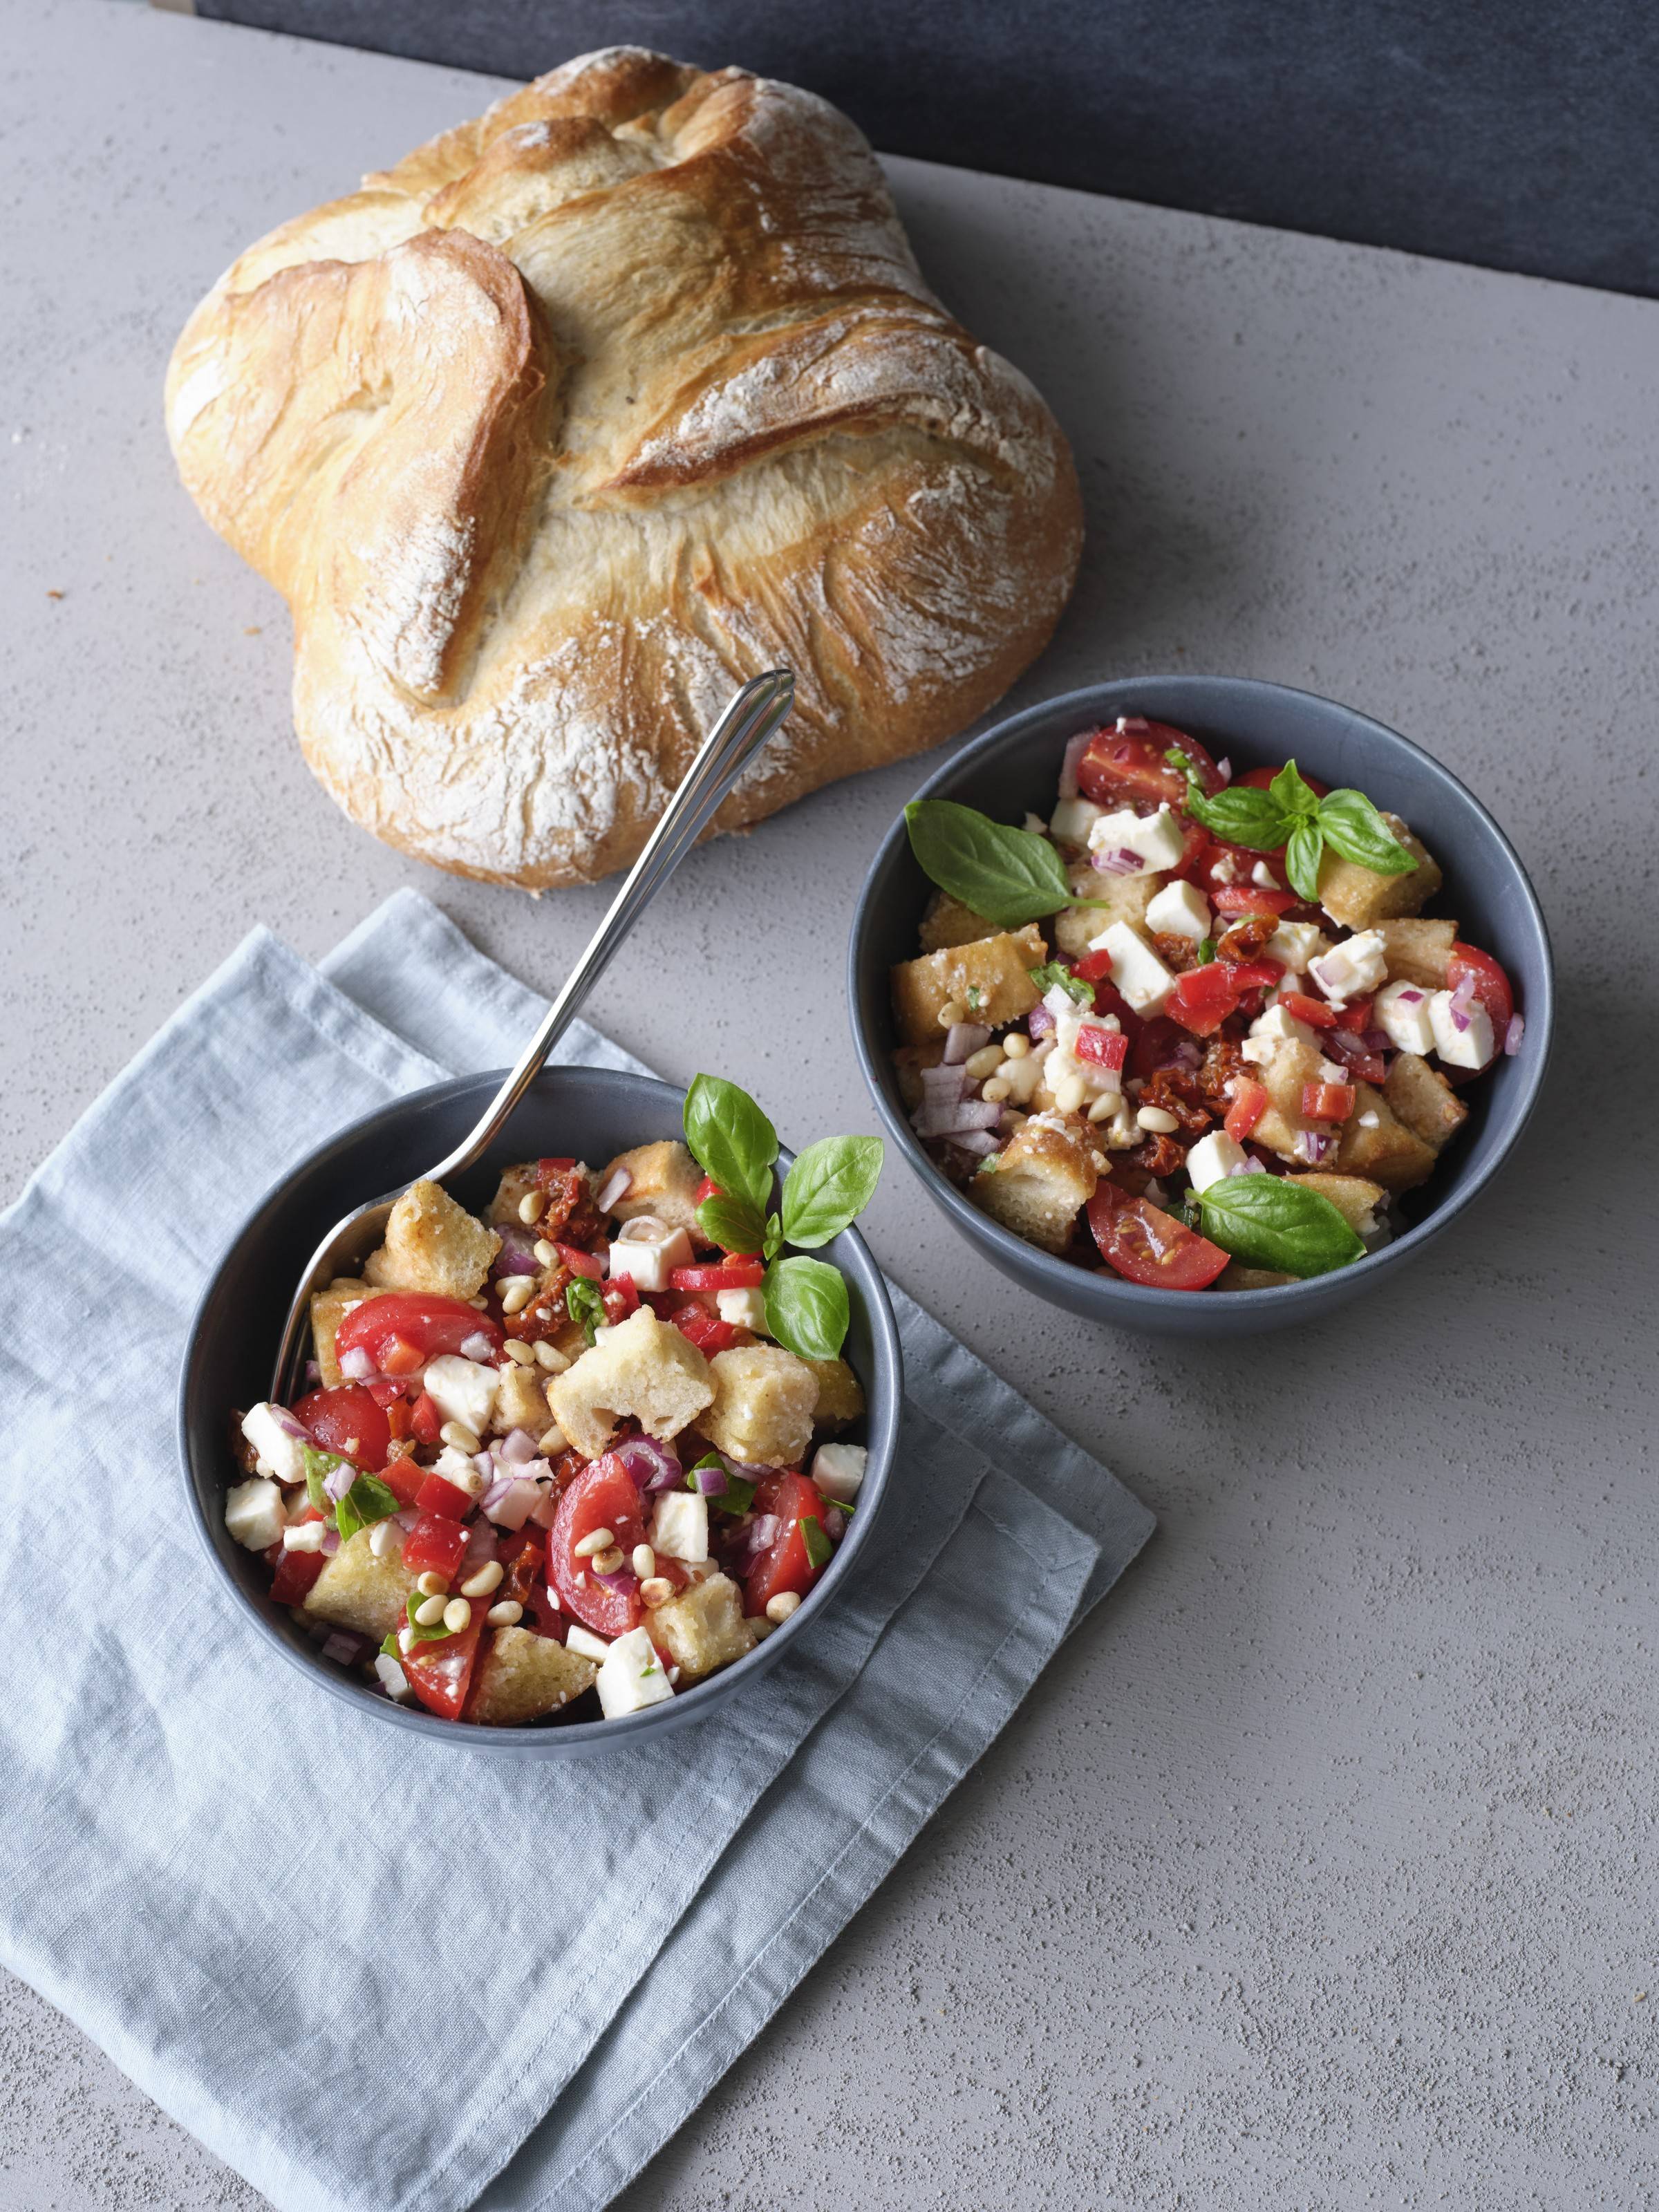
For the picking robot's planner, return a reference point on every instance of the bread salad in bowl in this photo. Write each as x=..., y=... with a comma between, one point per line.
x=574, y=1457
x=1199, y=1028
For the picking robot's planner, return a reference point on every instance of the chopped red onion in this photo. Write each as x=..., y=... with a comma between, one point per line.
x=517, y=1255
x=651, y=1465
x=1185, y=1053
x=980, y=1143
x=330, y=1543
x=510, y=1502
x=516, y=1448
x=1075, y=749
x=1224, y=768
x=615, y=1189
x=542, y=1513
x=406, y=1519
x=963, y=1038
x=711, y=1481
x=356, y=1365
x=480, y=1542
x=621, y=1580
x=344, y=1648
x=1038, y=1023
x=478, y=1348
x=314, y=1373
x=1459, y=1021
x=931, y=1121
x=834, y=1523
x=290, y=1427
x=1123, y=862
x=1126, y=722
x=339, y=1481
x=484, y=1465
x=765, y=1531
x=1513, y=1034
x=1313, y=1146
x=1411, y=998
x=1376, y=1041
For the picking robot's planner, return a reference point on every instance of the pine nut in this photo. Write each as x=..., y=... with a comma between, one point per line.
x=530, y=1206
x=507, y=1614
x=430, y=1612
x=457, y=1615
x=458, y=1434
x=481, y=1301
x=986, y=1062
x=608, y=1563
x=488, y=1578
x=1016, y=1044
x=655, y=1590
x=386, y=1536
x=545, y=1253
x=517, y=1291
x=596, y=1540
x=550, y=1357
x=996, y=1091
x=1154, y=1118
x=951, y=1013
x=1068, y=1094
x=1104, y=1108
x=644, y=1562
x=432, y=1585
x=520, y=1352
x=759, y=1626
x=779, y=1608
x=552, y=1441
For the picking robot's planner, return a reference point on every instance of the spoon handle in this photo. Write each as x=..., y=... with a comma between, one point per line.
x=741, y=730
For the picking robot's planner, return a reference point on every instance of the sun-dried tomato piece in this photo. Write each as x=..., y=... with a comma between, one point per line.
x=1246, y=937
x=1222, y=1063
x=1179, y=1092
x=1160, y=1156
x=547, y=1316
x=569, y=1213
x=1178, y=953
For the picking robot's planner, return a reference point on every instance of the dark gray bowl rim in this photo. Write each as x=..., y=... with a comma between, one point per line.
x=1280, y=1298
x=573, y=1738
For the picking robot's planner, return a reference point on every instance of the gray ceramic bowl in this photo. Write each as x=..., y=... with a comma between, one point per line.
x=591, y=1113
x=1015, y=766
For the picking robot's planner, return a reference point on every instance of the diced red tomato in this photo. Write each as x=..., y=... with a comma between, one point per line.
x=1247, y=1105
x=425, y=1326
x=708, y=1188
x=346, y=1421
x=1128, y=768
x=295, y=1573
x=399, y=1420
x=425, y=1421
x=1316, y=1014
x=621, y=1298
x=1327, y=1101
x=1158, y=1043
x=403, y=1476
x=1203, y=998
x=1492, y=987
x=581, y=1263
x=387, y=1392
x=435, y=1545
x=784, y=1565
x=1250, y=898
x=1356, y=1017
x=437, y=1495
x=1258, y=779
x=441, y=1673
x=1235, y=863
x=605, y=1496
x=1256, y=974
x=706, y=1330
x=1101, y=1047
x=1146, y=1245
x=739, y=1272
x=1093, y=967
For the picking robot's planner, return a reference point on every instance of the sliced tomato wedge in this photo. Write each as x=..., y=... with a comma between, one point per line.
x=441, y=1673
x=1491, y=987
x=706, y=1330
x=435, y=1545
x=1250, y=898
x=295, y=1573
x=427, y=1326
x=1327, y=1101
x=1203, y=998
x=1356, y=1016
x=741, y=1272
x=1141, y=1242
x=1316, y=1014
x=708, y=1188
x=581, y=1263
x=446, y=1499
x=605, y=1496
x=1247, y=1105
x=1130, y=767
x=347, y=1422
x=785, y=1565
x=621, y=1295
x=403, y=1476
x=1259, y=779
x=425, y=1421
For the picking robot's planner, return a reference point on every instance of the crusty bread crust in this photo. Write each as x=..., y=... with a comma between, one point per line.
x=585, y=412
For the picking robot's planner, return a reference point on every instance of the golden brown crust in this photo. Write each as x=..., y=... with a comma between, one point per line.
x=586, y=411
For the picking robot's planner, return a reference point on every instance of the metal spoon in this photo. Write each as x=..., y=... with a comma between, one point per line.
x=741, y=730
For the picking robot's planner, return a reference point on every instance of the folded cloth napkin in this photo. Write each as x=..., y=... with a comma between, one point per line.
x=335, y=1956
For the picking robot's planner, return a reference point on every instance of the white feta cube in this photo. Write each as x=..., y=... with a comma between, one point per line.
x=1264, y=879
x=1138, y=972
x=1350, y=969
x=462, y=1390
x=1180, y=910
x=304, y=1536
x=1401, y=1012
x=631, y=1676
x=278, y=1453
x=253, y=1513
x=1072, y=820
x=1270, y=1030
x=1226, y=870
x=742, y=1309
x=1294, y=944
x=838, y=1471
x=679, y=1526
x=584, y=1641
x=1470, y=1047
x=1214, y=1158
x=1158, y=840
x=646, y=1248
x=456, y=1467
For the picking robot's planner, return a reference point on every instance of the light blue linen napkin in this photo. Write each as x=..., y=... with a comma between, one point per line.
x=340, y=1960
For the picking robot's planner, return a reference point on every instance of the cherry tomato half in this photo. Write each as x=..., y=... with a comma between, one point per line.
x=605, y=1496
x=785, y=1564
x=1491, y=988
x=430, y=1325
x=347, y=1421
x=1146, y=1245
x=1130, y=767
x=441, y=1673
x=1203, y=998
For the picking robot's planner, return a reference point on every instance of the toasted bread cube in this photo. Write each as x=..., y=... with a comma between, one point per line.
x=521, y=1676
x=1126, y=898
x=947, y=922
x=761, y=1412
x=643, y=1367
x=1420, y=1097
x=1386, y=1150
x=433, y=1245
x=1235, y=1276
x=1418, y=951
x=1035, y=1185
x=665, y=1181
x=357, y=1590
x=990, y=979
x=520, y=1401
x=841, y=1395
x=328, y=1309
x=514, y=1187
x=1359, y=898
x=703, y=1628
x=1295, y=1061
x=1355, y=1198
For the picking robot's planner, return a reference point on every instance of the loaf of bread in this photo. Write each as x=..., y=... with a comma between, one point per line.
x=585, y=412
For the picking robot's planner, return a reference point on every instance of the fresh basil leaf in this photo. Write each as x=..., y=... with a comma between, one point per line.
x=1056, y=971
x=584, y=1306
x=819, y=1550
x=1295, y=796
x=1352, y=827
x=1301, y=857
x=829, y=1185
x=1206, y=950
x=1242, y=815
x=738, y=1494
x=1010, y=875
x=389, y=1647
x=318, y=1465
x=974, y=995
x=730, y=1139
x=1268, y=1222
x=732, y=1224
x=367, y=1501
x=806, y=1307
x=772, y=1243
x=417, y=1633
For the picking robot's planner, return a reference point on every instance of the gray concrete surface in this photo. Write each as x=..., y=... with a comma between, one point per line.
x=1318, y=1873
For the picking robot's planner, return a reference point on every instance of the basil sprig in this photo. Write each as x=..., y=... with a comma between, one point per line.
x=829, y=1185
x=585, y=1306
x=1010, y=875
x=1268, y=1222
x=819, y=1550
x=368, y=1500
x=1056, y=971
x=738, y=1494
x=1290, y=815
x=318, y=1465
